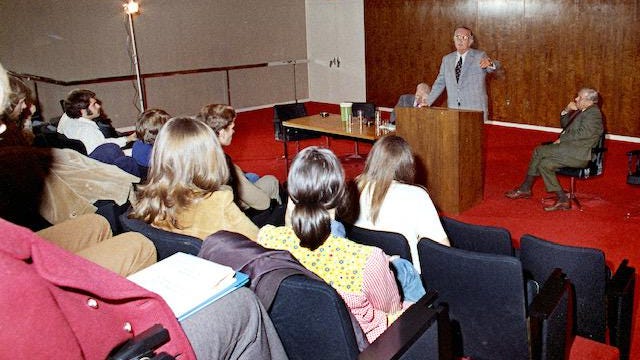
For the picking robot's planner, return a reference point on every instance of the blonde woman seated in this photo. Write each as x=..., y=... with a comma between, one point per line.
x=389, y=199
x=184, y=190
x=359, y=273
x=256, y=193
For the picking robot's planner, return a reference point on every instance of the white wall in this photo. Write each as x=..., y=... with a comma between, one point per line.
x=71, y=40
x=335, y=30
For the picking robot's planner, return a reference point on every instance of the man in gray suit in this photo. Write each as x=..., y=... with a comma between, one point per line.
x=463, y=73
x=581, y=122
x=409, y=100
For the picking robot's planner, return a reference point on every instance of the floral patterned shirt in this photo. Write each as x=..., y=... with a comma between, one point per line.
x=359, y=273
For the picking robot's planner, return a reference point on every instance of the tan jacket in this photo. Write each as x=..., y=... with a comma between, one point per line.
x=213, y=213
x=76, y=181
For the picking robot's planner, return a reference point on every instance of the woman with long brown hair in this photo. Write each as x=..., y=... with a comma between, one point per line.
x=185, y=191
x=390, y=200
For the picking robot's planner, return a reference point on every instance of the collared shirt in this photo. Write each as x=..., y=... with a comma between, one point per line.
x=87, y=131
x=463, y=56
x=359, y=273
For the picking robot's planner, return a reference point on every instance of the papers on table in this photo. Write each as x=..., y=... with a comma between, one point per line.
x=390, y=127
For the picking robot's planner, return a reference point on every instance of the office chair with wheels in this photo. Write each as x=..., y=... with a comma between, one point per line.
x=633, y=178
x=595, y=167
x=368, y=113
x=368, y=110
x=286, y=112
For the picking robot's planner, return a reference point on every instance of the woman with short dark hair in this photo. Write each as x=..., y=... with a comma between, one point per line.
x=251, y=190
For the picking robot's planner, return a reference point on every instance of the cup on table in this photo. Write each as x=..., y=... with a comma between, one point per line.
x=345, y=110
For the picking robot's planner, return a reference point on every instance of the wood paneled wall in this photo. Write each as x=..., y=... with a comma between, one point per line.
x=548, y=49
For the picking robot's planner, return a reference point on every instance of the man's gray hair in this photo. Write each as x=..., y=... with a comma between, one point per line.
x=591, y=94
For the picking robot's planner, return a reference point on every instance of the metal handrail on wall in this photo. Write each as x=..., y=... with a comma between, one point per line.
x=226, y=69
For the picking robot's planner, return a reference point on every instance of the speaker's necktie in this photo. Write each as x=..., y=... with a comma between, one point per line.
x=458, y=68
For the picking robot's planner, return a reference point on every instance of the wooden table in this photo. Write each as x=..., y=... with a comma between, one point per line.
x=333, y=125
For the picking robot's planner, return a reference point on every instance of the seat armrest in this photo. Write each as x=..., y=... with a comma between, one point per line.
x=407, y=331
x=621, y=279
x=551, y=318
x=620, y=297
x=142, y=346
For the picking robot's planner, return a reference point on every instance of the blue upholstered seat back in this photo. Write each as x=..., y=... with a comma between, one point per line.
x=312, y=321
x=391, y=243
x=167, y=243
x=479, y=238
x=585, y=268
x=486, y=298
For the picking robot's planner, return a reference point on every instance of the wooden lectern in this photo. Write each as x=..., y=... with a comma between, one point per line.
x=447, y=144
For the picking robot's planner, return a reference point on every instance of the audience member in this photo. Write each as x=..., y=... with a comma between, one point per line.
x=148, y=125
x=5, y=89
x=581, y=122
x=20, y=109
x=25, y=192
x=389, y=199
x=184, y=191
x=463, y=73
x=73, y=309
x=256, y=194
x=359, y=273
x=56, y=184
x=90, y=237
x=81, y=108
x=418, y=99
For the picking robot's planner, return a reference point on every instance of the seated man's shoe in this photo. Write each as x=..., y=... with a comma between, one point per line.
x=559, y=205
x=518, y=194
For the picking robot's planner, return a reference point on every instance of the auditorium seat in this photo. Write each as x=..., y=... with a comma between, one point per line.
x=314, y=323
x=603, y=303
x=167, y=243
x=486, y=298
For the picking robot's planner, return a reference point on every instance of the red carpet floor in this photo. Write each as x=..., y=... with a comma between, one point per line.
x=606, y=199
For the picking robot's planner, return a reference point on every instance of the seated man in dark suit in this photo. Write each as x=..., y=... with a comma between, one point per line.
x=409, y=100
x=582, y=127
